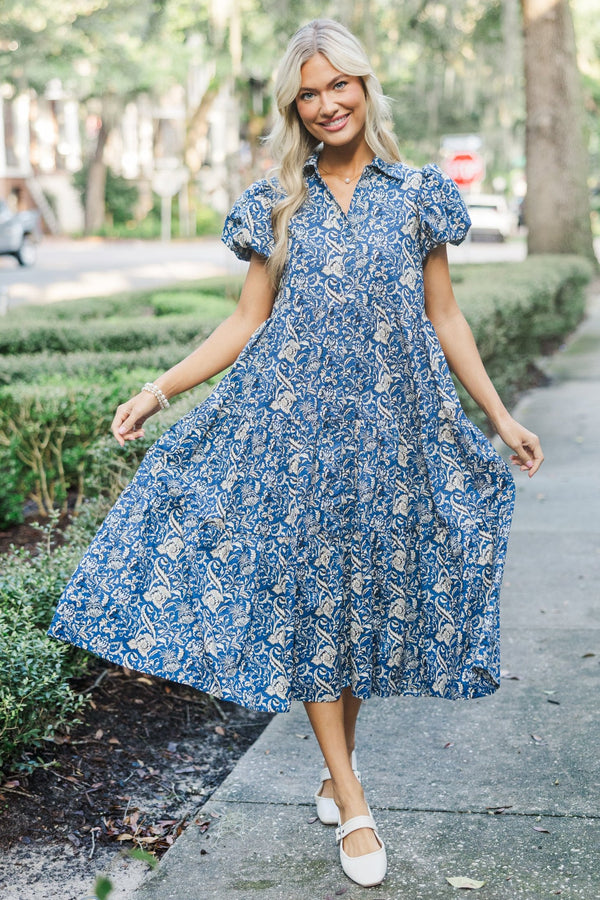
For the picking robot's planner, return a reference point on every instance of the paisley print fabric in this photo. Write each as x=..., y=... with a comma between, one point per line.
x=328, y=516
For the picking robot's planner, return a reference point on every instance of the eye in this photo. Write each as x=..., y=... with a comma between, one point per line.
x=305, y=95
x=340, y=85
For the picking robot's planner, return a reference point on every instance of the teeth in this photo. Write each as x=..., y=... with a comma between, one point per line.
x=336, y=121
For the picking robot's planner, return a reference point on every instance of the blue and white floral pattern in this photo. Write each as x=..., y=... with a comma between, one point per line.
x=328, y=516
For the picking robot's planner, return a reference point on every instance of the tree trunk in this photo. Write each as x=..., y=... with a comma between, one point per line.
x=95, y=190
x=557, y=203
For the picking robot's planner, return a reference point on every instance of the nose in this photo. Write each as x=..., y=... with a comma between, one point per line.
x=329, y=105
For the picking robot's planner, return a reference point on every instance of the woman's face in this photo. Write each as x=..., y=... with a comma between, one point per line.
x=331, y=105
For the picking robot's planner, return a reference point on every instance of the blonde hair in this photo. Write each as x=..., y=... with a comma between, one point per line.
x=291, y=144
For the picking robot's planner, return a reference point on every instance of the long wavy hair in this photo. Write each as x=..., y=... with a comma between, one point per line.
x=289, y=141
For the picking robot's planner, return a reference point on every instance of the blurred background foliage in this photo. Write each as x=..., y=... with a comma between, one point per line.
x=449, y=66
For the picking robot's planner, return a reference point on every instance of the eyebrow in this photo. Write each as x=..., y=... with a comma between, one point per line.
x=333, y=81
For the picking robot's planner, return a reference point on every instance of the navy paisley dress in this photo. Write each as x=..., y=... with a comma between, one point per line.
x=329, y=516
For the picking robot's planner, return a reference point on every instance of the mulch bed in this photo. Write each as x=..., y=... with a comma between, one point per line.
x=145, y=757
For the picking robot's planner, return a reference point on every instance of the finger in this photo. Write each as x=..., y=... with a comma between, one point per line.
x=130, y=423
x=120, y=416
x=133, y=435
x=536, y=462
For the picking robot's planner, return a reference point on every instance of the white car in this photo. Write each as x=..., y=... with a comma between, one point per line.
x=491, y=217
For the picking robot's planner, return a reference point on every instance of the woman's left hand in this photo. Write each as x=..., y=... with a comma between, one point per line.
x=528, y=451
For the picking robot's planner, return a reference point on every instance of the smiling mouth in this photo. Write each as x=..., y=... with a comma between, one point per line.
x=335, y=124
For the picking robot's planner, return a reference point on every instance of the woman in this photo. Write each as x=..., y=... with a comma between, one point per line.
x=328, y=524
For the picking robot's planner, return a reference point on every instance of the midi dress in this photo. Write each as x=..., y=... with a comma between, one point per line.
x=328, y=516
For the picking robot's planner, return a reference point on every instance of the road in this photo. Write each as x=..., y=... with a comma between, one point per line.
x=71, y=269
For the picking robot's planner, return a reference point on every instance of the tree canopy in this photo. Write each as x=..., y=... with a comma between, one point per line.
x=450, y=67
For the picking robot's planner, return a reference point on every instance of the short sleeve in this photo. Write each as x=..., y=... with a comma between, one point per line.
x=442, y=212
x=248, y=225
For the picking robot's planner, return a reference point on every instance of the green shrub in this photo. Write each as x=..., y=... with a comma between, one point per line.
x=35, y=694
x=517, y=312
x=125, y=334
x=142, y=303
x=46, y=431
x=27, y=368
x=121, y=195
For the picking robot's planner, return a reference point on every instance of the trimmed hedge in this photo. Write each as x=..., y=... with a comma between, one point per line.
x=517, y=312
x=29, y=368
x=48, y=437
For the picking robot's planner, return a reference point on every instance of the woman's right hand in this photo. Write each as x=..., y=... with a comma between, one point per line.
x=130, y=416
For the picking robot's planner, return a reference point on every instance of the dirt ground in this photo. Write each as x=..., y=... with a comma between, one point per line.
x=131, y=775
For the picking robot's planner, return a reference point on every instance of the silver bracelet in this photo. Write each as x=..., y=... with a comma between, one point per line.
x=154, y=389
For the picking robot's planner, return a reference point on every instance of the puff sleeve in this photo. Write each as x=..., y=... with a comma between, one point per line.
x=443, y=215
x=248, y=225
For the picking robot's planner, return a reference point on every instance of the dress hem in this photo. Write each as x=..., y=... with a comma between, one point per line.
x=482, y=689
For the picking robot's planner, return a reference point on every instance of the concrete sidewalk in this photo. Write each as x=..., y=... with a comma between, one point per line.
x=504, y=789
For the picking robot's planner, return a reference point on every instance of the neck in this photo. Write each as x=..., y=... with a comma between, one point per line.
x=345, y=159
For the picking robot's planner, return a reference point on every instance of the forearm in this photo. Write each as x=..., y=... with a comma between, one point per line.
x=464, y=360
x=215, y=354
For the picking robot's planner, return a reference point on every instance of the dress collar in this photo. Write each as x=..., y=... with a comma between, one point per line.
x=392, y=170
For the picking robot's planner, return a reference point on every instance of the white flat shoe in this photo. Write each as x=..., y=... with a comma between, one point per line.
x=327, y=811
x=369, y=869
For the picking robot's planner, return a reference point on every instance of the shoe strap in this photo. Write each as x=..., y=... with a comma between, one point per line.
x=354, y=824
x=326, y=774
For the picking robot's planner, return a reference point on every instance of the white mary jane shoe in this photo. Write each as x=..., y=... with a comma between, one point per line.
x=369, y=869
x=327, y=811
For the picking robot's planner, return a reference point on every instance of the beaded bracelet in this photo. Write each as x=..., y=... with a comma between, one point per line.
x=154, y=389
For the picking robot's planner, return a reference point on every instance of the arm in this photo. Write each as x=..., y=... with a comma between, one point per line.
x=216, y=353
x=464, y=360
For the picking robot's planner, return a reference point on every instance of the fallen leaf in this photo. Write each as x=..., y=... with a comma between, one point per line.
x=588, y=655
x=448, y=745
x=537, y=739
x=555, y=702
x=341, y=891
x=172, y=747
x=99, y=734
x=540, y=829
x=114, y=741
x=124, y=837
x=219, y=730
x=312, y=820
x=143, y=680
x=468, y=884
x=497, y=810
x=509, y=676
x=302, y=737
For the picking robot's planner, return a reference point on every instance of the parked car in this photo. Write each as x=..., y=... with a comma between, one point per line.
x=20, y=234
x=491, y=218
